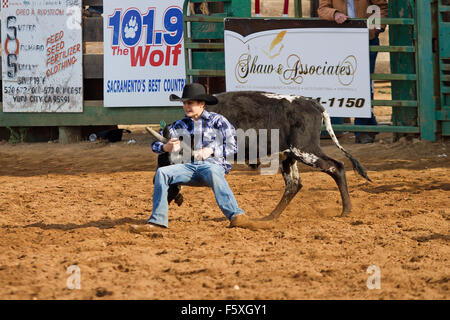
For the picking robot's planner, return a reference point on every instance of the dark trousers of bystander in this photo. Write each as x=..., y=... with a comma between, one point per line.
x=372, y=60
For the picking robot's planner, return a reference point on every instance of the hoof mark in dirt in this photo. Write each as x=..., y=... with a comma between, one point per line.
x=161, y=252
x=179, y=261
x=155, y=235
x=188, y=273
x=433, y=236
x=102, y=292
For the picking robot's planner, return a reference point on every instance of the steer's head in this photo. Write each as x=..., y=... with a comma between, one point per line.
x=165, y=159
x=183, y=155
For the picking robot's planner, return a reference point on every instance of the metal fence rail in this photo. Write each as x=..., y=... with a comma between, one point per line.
x=443, y=114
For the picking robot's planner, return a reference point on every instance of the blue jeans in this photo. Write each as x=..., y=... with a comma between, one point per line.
x=372, y=59
x=197, y=173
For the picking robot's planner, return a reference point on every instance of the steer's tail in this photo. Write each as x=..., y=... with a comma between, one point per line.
x=356, y=165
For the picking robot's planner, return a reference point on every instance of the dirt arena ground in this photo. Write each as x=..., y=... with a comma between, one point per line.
x=64, y=205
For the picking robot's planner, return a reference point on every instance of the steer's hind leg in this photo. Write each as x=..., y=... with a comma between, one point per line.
x=293, y=185
x=336, y=170
x=330, y=166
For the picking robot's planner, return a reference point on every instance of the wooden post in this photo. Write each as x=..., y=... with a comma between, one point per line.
x=69, y=135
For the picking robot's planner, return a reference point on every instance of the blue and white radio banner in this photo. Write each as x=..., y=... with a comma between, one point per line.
x=316, y=59
x=42, y=56
x=143, y=52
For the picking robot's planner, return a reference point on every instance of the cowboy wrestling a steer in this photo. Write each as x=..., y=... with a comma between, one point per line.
x=208, y=164
x=298, y=120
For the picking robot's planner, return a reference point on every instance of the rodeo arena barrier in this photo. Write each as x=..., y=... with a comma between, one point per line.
x=419, y=48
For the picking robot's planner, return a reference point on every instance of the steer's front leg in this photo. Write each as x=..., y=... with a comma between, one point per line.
x=293, y=185
x=174, y=194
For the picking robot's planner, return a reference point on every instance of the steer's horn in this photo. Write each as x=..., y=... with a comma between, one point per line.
x=156, y=135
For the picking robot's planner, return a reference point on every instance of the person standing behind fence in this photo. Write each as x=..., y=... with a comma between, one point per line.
x=340, y=11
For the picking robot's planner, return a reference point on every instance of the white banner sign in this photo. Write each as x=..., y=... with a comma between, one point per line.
x=42, y=56
x=327, y=64
x=143, y=52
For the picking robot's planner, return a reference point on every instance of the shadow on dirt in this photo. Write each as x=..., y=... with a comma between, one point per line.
x=415, y=187
x=100, y=224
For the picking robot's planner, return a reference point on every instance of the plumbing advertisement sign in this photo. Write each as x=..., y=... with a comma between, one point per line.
x=316, y=59
x=143, y=52
x=42, y=56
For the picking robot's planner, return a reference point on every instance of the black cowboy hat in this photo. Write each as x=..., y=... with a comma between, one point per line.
x=194, y=91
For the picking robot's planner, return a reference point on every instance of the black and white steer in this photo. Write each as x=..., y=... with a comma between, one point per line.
x=299, y=121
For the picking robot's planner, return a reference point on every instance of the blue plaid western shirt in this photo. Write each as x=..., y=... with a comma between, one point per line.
x=211, y=130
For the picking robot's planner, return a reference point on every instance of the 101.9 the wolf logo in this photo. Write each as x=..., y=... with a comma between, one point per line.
x=139, y=38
